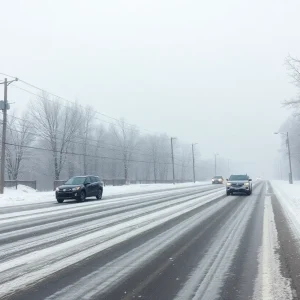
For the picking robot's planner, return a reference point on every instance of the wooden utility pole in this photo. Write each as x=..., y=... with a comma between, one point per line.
x=4, y=108
x=3, y=138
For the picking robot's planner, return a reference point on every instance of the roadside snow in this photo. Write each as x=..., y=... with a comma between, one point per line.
x=289, y=197
x=26, y=195
x=270, y=284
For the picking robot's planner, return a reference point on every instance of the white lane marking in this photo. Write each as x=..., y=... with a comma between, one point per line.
x=270, y=284
x=33, y=267
x=208, y=276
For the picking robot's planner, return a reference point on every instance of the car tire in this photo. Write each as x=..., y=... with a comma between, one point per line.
x=82, y=196
x=228, y=193
x=99, y=195
x=60, y=200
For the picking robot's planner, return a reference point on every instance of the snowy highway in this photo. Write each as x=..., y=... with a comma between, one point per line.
x=185, y=243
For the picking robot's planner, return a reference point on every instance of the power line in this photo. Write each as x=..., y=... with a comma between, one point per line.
x=69, y=101
x=72, y=102
x=7, y=75
x=37, y=95
x=86, y=139
x=101, y=120
x=81, y=154
x=76, y=142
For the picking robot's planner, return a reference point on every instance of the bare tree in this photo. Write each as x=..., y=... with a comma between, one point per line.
x=18, y=140
x=87, y=131
x=293, y=66
x=100, y=132
x=126, y=136
x=292, y=126
x=58, y=124
x=185, y=161
x=164, y=162
x=152, y=142
x=71, y=160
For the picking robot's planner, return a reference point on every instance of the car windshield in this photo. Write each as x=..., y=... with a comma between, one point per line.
x=218, y=177
x=238, y=177
x=75, y=180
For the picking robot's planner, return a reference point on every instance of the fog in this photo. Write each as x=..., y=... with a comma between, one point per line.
x=206, y=72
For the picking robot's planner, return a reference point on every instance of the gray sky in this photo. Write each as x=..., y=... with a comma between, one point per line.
x=210, y=72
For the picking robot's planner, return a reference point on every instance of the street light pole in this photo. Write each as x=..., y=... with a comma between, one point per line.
x=172, y=152
x=193, y=153
x=289, y=154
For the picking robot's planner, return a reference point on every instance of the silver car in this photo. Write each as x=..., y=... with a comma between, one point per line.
x=239, y=184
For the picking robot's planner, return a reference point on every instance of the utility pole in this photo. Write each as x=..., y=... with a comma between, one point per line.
x=290, y=161
x=3, y=138
x=4, y=108
x=172, y=152
x=193, y=153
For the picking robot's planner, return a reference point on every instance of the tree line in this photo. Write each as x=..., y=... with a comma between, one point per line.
x=54, y=139
x=291, y=125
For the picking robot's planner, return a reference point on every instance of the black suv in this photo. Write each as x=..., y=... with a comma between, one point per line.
x=80, y=187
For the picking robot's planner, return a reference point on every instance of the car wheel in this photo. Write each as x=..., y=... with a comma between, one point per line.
x=60, y=200
x=228, y=193
x=81, y=196
x=99, y=195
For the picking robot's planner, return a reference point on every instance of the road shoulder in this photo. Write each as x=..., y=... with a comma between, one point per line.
x=288, y=246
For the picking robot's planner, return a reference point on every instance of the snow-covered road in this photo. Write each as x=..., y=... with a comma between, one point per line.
x=188, y=243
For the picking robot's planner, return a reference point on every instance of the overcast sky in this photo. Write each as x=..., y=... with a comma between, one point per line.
x=210, y=72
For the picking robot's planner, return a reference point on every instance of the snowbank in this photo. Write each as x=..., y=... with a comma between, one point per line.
x=289, y=197
x=26, y=195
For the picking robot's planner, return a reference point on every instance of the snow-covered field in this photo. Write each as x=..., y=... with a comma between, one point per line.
x=26, y=195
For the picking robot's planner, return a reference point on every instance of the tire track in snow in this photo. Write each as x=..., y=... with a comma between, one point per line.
x=100, y=222
x=14, y=221
x=207, y=278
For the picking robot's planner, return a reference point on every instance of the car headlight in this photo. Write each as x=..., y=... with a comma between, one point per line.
x=220, y=179
x=76, y=188
x=57, y=189
x=228, y=183
x=246, y=183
